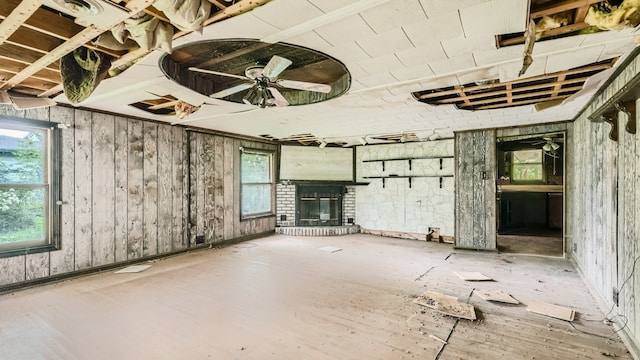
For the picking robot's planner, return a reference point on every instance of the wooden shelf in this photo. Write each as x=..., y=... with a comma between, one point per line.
x=413, y=158
x=531, y=188
x=384, y=178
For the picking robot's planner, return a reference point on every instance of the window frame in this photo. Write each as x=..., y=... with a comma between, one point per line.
x=51, y=186
x=270, y=155
x=541, y=180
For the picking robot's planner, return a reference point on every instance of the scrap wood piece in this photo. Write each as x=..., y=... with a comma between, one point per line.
x=446, y=304
x=456, y=308
x=430, y=299
x=437, y=339
x=554, y=311
x=496, y=295
x=472, y=276
x=133, y=269
x=330, y=249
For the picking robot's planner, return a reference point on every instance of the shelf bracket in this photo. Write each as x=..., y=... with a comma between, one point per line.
x=382, y=165
x=440, y=163
x=383, y=182
x=611, y=117
x=409, y=182
x=441, y=182
x=409, y=164
x=629, y=108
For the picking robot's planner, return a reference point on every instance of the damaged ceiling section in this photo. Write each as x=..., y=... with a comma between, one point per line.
x=365, y=71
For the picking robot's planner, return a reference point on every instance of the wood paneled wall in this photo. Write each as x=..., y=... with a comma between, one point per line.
x=603, y=203
x=475, y=174
x=134, y=189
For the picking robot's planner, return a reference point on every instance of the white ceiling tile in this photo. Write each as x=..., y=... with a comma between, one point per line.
x=411, y=73
x=489, y=73
x=242, y=26
x=510, y=70
x=393, y=14
x=310, y=40
x=348, y=29
x=455, y=47
x=505, y=54
x=462, y=62
x=440, y=82
x=377, y=80
x=330, y=5
x=435, y=7
x=380, y=64
x=616, y=49
x=547, y=47
x=444, y=26
x=390, y=41
x=569, y=60
x=495, y=17
x=284, y=15
x=422, y=55
x=405, y=88
x=348, y=53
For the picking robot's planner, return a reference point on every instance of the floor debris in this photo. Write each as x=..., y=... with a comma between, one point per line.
x=496, y=295
x=447, y=305
x=133, y=269
x=330, y=249
x=554, y=311
x=472, y=276
x=437, y=339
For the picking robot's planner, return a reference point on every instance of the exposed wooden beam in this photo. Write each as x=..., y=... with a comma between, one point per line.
x=514, y=98
x=585, y=69
x=78, y=40
x=531, y=90
x=518, y=103
x=33, y=40
x=546, y=34
x=554, y=7
x=17, y=17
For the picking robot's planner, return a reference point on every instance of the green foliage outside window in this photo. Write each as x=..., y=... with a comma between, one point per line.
x=22, y=186
x=527, y=165
x=256, y=182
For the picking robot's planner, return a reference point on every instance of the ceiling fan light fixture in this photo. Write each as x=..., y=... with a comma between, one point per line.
x=252, y=97
x=546, y=147
x=555, y=146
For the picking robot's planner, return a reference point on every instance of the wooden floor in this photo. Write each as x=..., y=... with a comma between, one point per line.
x=282, y=297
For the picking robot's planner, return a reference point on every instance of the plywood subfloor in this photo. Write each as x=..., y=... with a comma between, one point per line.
x=281, y=298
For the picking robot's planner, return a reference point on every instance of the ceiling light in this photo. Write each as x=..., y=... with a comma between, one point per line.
x=323, y=144
x=363, y=140
x=546, y=147
x=555, y=146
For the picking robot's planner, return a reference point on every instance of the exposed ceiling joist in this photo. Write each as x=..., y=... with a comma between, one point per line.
x=19, y=15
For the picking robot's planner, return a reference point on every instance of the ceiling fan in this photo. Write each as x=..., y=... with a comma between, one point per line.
x=263, y=83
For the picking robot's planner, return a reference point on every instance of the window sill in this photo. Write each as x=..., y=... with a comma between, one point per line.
x=256, y=216
x=26, y=251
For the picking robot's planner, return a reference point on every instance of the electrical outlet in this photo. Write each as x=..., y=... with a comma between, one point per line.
x=616, y=296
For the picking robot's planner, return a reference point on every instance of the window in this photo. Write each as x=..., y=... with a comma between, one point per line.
x=527, y=165
x=256, y=180
x=27, y=209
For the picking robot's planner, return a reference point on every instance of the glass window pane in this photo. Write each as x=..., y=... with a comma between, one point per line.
x=22, y=215
x=527, y=165
x=256, y=198
x=22, y=155
x=255, y=168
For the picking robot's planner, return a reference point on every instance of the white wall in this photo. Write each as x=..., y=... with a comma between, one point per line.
x=397, y=207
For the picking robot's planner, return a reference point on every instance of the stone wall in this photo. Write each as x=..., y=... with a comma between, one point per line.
x=401, y=205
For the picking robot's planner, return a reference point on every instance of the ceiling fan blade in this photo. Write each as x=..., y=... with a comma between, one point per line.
x=277, y=95
x=303, y=85
x=275, y=66
x=217, y=73
x=232, y=90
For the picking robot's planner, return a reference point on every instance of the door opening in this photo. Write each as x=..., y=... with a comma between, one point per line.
x=530, y=194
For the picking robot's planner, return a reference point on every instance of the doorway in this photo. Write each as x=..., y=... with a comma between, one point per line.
x=530, y=194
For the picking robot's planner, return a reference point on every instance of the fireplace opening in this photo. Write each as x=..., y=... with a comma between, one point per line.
x=319, y=205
